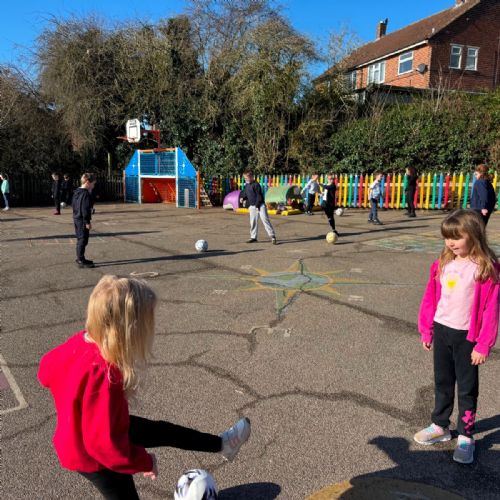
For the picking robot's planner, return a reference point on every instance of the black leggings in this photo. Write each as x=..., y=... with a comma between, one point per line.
x=150, y=434
x=329, y=209
x=452, y=367
x=410, y=200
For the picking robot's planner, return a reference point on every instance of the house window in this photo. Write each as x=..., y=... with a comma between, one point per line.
x=351, y=80
x=471, y=62
x=456, y=57
x=376, y=72
x=405, y=62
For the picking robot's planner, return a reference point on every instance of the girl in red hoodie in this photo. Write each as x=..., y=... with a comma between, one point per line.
x=91, y=377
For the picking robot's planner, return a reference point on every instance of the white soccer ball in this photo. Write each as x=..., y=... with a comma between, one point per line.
x=196, y=484
x=63, y=205
x=339, y=212
x=201, y=246
x=331, y=237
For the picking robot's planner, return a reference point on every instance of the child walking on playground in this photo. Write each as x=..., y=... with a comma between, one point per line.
x=458, y=319
x=312, y=189
x=374, y=194
x=257, y=207
x=92, y=376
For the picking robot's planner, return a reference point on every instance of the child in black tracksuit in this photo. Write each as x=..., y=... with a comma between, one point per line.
x=82, y=214
x=66, y=190
x=56, y=192
x=328, y=201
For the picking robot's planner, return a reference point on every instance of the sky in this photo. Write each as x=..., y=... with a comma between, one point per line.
x=22, y=20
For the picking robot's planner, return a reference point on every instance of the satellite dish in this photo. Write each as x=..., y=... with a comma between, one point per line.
x=422, y=68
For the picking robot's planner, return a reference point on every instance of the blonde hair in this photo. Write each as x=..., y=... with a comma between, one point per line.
x=120, y=320
x=468, y=224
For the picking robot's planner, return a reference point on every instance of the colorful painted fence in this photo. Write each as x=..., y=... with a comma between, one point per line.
x=434, y=191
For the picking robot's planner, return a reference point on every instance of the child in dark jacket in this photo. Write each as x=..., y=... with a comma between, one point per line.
x=66, y=190
x=82, y=215
x=56, y=192
x=328, y=201
x=257, y=208
x=483, y=199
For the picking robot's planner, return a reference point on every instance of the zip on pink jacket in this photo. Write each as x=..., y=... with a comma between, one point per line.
x=483, y=326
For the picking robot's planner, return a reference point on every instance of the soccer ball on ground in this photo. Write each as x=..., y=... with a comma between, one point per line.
x=331, y=237
x=196, y=484
x=339, y=211
x=63, y=205
x=201, y=246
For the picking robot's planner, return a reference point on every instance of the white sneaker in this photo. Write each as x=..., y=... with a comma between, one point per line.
x=464, y=452
x=234, y=438
x=5, y=209
x=432, y=434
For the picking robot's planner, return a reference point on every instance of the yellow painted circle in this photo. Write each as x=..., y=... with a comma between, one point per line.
x=382, y=489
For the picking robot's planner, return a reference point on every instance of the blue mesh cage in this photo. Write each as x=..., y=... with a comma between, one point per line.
x=186, y=182
x=148, y=164
x=132, y=189
x=166, y=163
x=133, y=165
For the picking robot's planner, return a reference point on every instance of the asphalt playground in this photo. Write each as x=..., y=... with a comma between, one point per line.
x=316, y=343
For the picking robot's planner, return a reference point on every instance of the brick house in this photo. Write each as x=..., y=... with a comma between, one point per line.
x=457, y=48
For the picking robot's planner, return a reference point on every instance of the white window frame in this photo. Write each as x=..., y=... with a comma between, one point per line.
x=376, y=72
x=460, y=55
x=351, y=80
x=405, y=58
x=476, y=57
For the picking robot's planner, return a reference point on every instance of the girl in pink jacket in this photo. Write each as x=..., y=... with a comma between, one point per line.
x=458, y=319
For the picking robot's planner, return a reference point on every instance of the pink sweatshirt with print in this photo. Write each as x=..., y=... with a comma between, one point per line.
x=483, y=326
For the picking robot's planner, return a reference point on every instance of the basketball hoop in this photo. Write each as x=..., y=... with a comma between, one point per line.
x=135, y=133
x=133, y=130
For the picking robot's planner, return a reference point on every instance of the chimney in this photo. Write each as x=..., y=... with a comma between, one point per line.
x=382, y=28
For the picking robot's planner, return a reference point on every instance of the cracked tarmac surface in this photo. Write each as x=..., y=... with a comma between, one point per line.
x=317, y=344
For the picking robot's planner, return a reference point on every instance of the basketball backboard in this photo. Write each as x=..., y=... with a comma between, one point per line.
x=133, y=130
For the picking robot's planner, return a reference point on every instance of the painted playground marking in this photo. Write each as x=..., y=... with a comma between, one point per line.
x=376, y=488
x=271, y=330
x=288, y=284
x=9, y=381
x=355, y=298
x=146, y=274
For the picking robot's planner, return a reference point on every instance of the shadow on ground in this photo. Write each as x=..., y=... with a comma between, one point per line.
x=435, y=466
x=190, y=256
x=72, y=236
x=251, y=491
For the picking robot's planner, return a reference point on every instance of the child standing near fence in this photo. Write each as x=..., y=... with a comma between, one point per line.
x=311, y=189
x=374, y=194
x=92, y=376
x=458, y=319
x=257, y=207
x=56, y=193
x=483, y=198
x=5, y=191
